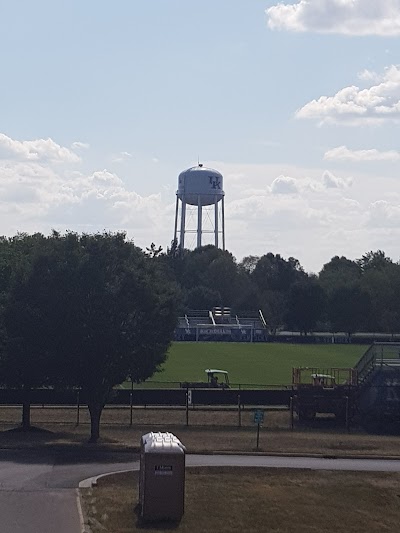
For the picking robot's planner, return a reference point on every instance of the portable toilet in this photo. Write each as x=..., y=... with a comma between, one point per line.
x=162, y=477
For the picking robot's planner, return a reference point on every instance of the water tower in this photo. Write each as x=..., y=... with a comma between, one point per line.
x=200, y=187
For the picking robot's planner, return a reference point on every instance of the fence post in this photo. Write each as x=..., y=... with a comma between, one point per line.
x=77, y=408
x=131, y=408
x=131, y=404
x=291, y=414
x=239, y=412
x=187, y=407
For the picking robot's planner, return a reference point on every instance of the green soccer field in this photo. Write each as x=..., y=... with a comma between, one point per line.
x=263, y=363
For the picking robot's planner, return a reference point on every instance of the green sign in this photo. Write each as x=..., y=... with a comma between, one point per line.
x=258, y=416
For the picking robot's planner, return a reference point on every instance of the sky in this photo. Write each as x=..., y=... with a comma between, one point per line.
x=296, y=103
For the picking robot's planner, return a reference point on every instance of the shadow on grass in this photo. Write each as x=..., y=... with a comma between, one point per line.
x=161, y=525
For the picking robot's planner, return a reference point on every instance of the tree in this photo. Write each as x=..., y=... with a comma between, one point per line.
x=383, y=287
x=152, y=251
x=22, y=362
x=305, y=305
x=374, y=261
x=201, y=297
x=339, y=271
x=105, y=310
x=348, y=308
x=210, y=268
x=273, y=277
x=249, y=263
x=272, y=272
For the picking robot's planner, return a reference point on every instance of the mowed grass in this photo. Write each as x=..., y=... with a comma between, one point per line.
x=229, y=500
x=253, y=363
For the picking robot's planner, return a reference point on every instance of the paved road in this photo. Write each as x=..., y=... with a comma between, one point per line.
x=367, y=465
x=37, y=492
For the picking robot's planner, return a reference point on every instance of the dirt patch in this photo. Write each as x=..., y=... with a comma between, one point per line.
x=209, y=430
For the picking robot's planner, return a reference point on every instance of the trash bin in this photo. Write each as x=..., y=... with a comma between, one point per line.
x=162, y=477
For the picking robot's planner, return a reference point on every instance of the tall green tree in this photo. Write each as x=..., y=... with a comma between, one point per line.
x=22, y=363
x=383, y=287
x=106, y=313
x=348, y=308
x=374, y=261
x=305, y=305
x=273, y=276
x=339, y=271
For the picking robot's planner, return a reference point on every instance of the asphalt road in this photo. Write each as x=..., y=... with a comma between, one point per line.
x=38, y=492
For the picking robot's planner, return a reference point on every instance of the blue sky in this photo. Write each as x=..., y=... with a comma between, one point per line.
x=296, y=103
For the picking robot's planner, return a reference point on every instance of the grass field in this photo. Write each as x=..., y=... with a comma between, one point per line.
x=230, y=500
x=253, y=363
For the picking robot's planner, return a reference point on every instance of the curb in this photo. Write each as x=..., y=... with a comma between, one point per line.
x=92, y=481
x=83, y=519
x=135, y=450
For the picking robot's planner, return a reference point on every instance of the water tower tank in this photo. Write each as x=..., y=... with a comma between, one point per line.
x=200, y=184
x=200, y=187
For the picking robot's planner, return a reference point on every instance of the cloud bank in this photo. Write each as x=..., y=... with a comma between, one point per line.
x=42, y=187
x=347, y=17
x=342, y=153
x=354, y=106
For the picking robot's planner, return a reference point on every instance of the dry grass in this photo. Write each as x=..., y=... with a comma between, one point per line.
x=230, y=500
x=208, y=431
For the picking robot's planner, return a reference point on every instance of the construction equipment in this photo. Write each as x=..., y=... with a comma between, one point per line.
x=329, y=391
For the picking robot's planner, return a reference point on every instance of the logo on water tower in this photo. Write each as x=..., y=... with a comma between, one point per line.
x=215, y=182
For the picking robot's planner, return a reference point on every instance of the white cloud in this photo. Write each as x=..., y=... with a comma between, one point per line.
x=122, y=156
x=369, y=75
x=77, y=145
x=288, y=185
x=348, y=17
x=36, y=150
x=37, y=194
x=284, y=185
x=354, y=106
x=342, y=153
x=383, y=214
x=330, y=181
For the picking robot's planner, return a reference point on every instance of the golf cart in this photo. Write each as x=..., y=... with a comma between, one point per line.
x=216, y=379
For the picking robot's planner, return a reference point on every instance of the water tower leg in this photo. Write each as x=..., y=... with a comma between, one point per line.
x=183, y=217
x=199, y=222
x=216, y=221
x=223, y=223
x=176, y=220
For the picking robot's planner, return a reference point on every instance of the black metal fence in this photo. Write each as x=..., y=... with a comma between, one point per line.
x=155, y=397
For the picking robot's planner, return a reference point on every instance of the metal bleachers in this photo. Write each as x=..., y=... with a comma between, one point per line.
x=378, y=355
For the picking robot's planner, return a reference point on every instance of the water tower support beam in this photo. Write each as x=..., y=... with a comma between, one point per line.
x=216, y=221
x=176, y=220
x=183, y=217
x=223, y=223
x=199, y=221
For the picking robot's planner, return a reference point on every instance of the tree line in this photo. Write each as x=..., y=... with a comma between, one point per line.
x=345, y=296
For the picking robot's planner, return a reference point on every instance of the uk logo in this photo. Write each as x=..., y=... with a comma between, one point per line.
x=215, y=182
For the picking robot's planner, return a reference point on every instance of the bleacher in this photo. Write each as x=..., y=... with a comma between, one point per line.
x=220, y=324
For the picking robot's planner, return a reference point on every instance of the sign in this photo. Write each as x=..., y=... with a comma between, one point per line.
x=258, y=416
x=163, y=470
